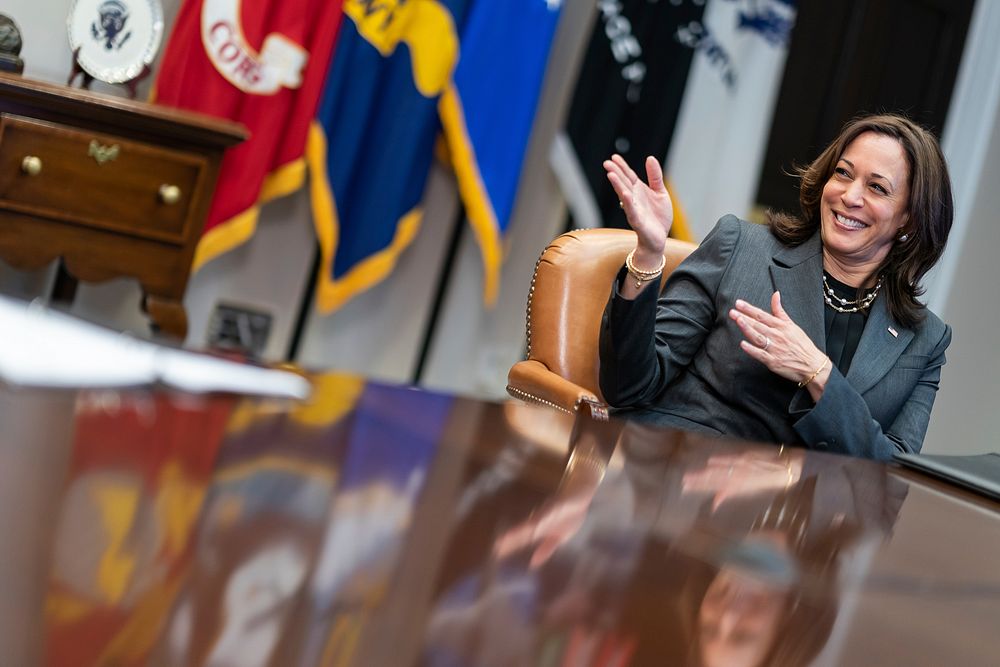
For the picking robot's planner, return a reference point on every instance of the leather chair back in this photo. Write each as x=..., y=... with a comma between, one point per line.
x=569, y=290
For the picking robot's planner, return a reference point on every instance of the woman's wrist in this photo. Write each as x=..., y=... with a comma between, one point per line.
x=641, y=276
x=811, y=377
x=645, y=259
x=816, y=384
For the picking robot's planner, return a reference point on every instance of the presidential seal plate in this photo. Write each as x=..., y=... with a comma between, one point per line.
x=115, y=40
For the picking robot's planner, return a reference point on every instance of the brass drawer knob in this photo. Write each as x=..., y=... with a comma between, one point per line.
x=170, y=194
x=31, y=165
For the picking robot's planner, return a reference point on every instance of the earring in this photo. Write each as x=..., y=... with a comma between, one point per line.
x=903, y=238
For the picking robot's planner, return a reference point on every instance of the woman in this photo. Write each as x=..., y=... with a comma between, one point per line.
x=802, y=331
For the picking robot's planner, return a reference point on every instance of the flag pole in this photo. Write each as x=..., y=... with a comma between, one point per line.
x=430, y=329
x=305, y=306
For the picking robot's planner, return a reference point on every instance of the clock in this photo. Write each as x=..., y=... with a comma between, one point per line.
x=115, y=40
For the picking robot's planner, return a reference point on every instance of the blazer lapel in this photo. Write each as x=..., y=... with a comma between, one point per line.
x=878, y=348
x=797, y=273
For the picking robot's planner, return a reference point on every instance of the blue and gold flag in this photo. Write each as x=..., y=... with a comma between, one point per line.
x=489, y=110
x=372, y=144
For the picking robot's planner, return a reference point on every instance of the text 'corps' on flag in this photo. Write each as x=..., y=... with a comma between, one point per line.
x=262, y=63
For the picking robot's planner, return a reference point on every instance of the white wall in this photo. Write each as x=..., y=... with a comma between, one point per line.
x=962, y=288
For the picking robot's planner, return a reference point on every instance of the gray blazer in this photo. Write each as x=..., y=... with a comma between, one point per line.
x=677, y=361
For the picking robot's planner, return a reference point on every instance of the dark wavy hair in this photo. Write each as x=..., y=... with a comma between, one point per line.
x=930, y=208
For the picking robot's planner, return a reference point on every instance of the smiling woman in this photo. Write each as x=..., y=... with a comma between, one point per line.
x=806, y=330
x=863, y=209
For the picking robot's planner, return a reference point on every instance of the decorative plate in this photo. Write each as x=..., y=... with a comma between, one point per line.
x=117, y=39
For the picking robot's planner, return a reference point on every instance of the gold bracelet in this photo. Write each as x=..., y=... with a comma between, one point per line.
x=817, y=372
x=643, y=276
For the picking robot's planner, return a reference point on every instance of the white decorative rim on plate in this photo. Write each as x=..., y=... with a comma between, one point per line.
x=117, y=39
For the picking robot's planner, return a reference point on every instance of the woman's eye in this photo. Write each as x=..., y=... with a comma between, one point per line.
x=840, y=171
x=878, y=188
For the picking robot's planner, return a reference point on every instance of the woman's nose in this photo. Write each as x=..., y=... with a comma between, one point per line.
x=853, y=194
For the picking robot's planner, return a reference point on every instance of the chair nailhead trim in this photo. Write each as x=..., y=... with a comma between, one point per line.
x=527, y=314
x=525, y=396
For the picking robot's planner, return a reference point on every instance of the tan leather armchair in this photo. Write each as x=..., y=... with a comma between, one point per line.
x=570, y=287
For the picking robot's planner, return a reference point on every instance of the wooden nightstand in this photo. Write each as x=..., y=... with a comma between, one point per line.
x=111, y=187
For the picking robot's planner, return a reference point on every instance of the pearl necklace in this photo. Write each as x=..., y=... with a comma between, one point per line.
x=849, y=305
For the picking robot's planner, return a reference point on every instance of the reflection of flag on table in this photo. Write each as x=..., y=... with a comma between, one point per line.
x=141, y=467
x=488, y=112
x=390, y=452
x=212, y=64
x=373, y=145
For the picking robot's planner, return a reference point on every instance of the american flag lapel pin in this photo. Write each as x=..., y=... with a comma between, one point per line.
x=894, y=333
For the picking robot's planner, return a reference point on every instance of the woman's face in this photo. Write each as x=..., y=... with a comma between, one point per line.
x=865, y=201
x=738, y=620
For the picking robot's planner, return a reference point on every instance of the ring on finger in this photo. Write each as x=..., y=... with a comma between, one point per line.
x=767, y=344
x=621, y=204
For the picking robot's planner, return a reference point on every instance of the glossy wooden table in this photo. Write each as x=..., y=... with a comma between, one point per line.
x=387, y=526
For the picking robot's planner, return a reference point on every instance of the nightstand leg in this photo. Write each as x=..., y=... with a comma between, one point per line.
x=64, y=287
x=167, y=316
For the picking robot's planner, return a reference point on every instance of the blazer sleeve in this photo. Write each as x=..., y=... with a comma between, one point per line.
x=646, y=342
x=842, y=422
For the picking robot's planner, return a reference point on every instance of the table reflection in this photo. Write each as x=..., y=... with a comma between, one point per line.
x=233, y=533
x=141, y=465
x=379, y=525
x=671, y=550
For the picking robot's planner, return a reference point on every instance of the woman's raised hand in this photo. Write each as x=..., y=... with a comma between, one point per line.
x=647, y=205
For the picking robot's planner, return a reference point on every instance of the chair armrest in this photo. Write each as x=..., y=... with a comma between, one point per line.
x=531, y=381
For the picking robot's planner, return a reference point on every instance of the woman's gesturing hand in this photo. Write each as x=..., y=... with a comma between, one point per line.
x=776, y=341
x=647, y=205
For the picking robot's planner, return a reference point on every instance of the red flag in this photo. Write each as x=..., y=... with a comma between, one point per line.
x=262, y=63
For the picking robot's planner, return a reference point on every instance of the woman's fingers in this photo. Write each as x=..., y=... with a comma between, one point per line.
x=777, y=308
x=754, y=352
x=654, y=175
x=627, y=170
x=625, y=198
x=654, y=172
x=775, y=340
x=623, y=191
x=757, y=314
x=619, y=181
x=755, y=334
x=612, y=167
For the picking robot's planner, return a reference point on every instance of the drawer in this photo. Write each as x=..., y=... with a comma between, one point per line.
x=98, y=180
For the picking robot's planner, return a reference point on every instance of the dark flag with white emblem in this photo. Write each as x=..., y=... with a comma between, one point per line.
x=628, y=95
x=717, y=150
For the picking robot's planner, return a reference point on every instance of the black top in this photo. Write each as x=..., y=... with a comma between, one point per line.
x=843, y=330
